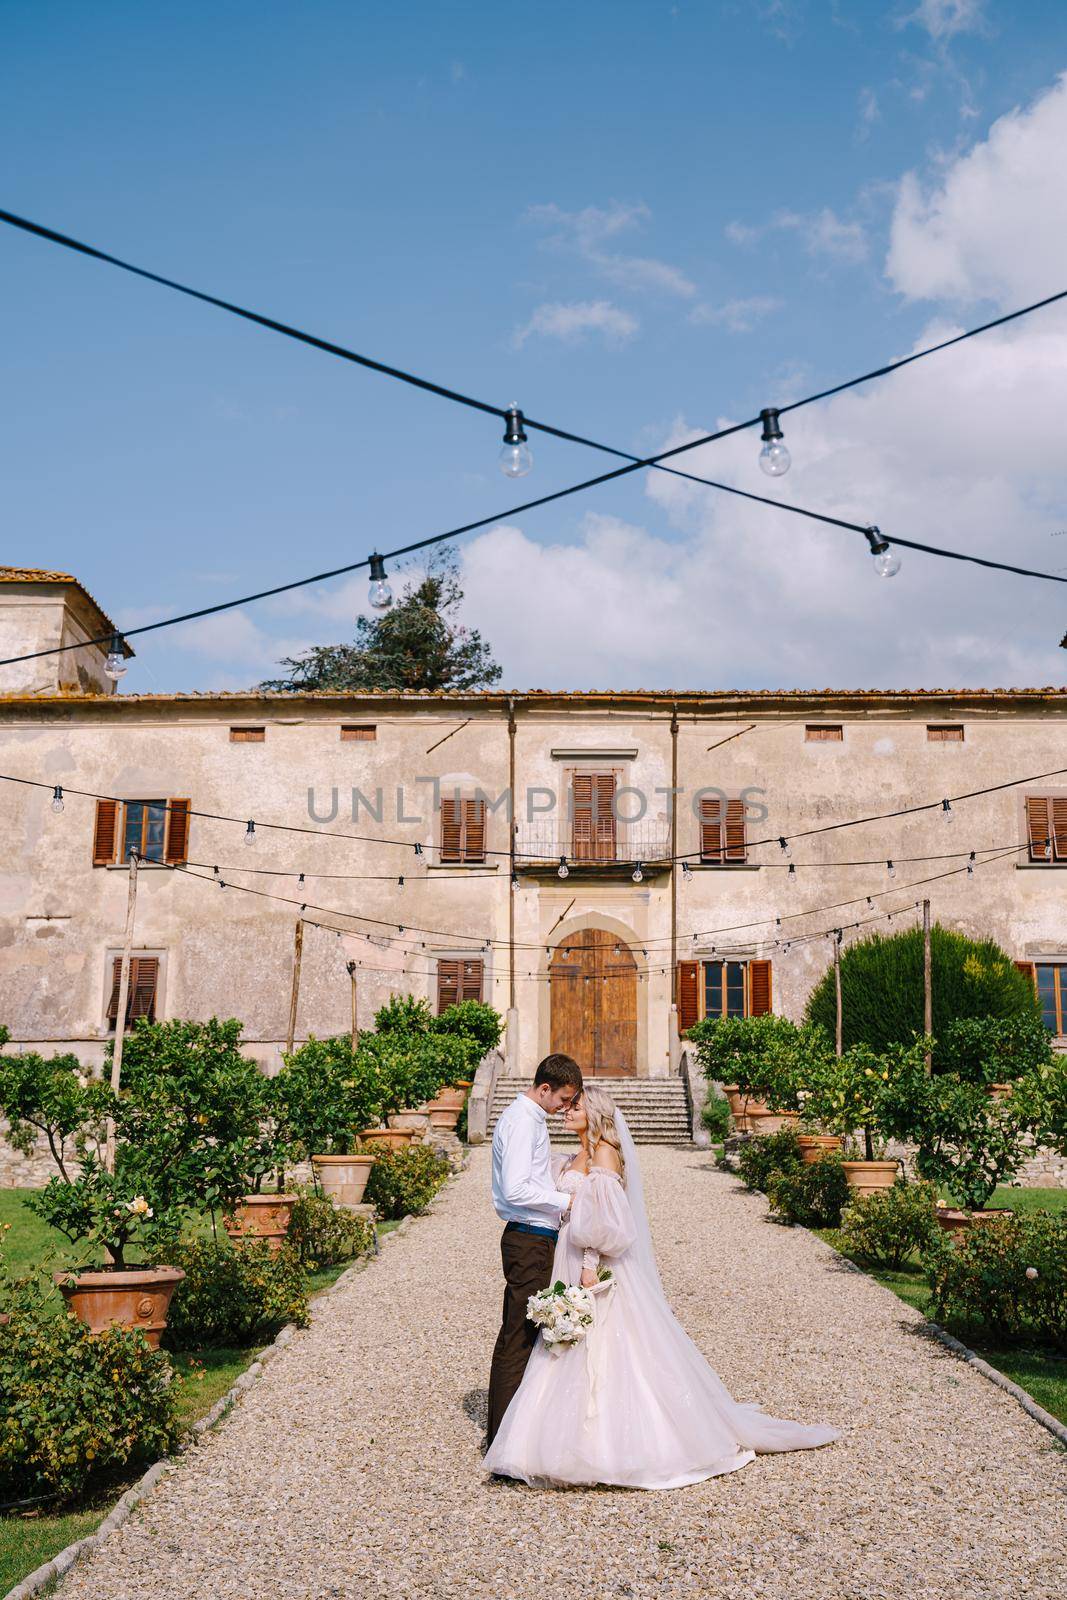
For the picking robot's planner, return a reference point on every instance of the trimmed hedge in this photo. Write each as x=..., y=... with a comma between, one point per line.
x=233, y=1296
x=403, y=1182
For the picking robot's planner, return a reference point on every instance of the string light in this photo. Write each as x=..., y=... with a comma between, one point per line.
x=886, y=561
x=891, y=869
x=687, y=872
x=250, y=834
x=115, y=661
x=514, y=880
x=515, y=458
x=947, y=813
x=637, y=875
x=400, y=881
x=418, y=849
x=970, y=865
x=783, y=845
x=791, y=876
x=57, y=799
x=379, y=592
x=774, y=458
x=563, y=871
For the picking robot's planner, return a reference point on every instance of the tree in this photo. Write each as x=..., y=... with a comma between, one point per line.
x=882, y=987
x=417, y=644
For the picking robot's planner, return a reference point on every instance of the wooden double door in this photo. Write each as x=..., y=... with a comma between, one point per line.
x=594, y=1004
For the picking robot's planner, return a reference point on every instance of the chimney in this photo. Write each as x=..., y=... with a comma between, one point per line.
x=40, y=611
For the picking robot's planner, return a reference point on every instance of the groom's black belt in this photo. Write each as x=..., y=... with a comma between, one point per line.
x=531, y=1227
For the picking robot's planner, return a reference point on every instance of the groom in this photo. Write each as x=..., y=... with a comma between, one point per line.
x=530, y=1206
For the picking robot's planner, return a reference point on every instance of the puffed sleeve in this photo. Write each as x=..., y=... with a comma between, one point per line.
x=559, y=1162
x=601, y=1220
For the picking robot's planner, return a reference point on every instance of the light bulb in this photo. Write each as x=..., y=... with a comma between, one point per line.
x=687, y=872
x=870, y=903
x=891, y=869
x=637, y=874
x=563, y=870
x=970, y=865
x=791, y=876
x=115, y=664
x=886, y=560
x=57, y=799
x=418, y=849
x=250, y=834
x=947, y=813
x=774, y=458
x=400, y=881
x=516, y=458
x=379, y=593
x=783, y=845
x=514, y=880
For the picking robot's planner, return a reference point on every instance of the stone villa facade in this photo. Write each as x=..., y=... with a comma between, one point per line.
x=565, y=910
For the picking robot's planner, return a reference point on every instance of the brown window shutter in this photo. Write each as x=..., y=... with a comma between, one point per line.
x=141, y=994
x=582, y=830
x=604, y=816
x=448, y=981
x=1059, y=829
x=1037, y=826
x=710, y=828
x=1029, y=968
x=176, y=848
x=106, y=833
x=688, y=994
x=358, y=730
x=474, y=830
x=471, y=980
x=944, y=733
x=451, y=830
x=821, y=732
x=759, y=988
x=735, y=830
x=248, y=735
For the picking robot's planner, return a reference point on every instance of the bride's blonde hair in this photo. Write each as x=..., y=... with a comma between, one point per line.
x=599, y=1110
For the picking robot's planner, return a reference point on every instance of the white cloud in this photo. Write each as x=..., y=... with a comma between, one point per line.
x=944, y=19
x=869, y=111
x=994, y=225
x=574, y=320
x=737, y=316
x=822, y=233
x=587, y=232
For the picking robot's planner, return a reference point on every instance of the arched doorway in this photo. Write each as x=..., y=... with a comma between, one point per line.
x=594, y=1003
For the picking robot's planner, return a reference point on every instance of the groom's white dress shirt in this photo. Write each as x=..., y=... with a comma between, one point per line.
x=523, y=1190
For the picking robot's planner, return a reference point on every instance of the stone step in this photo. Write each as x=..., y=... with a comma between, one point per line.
x=656, y=1109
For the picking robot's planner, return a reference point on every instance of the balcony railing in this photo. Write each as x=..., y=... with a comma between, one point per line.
x=541, y=847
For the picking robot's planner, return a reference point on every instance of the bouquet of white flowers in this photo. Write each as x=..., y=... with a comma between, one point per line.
x=564, y=1312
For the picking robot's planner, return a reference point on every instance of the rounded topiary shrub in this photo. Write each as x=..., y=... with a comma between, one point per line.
x=761, y=1158
x=882, y=987
x=812, y=1195
x=233, y=1295
x=403, y=1182
x=889, y=1226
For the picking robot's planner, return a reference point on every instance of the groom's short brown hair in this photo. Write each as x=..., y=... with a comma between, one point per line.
x=560, y=1072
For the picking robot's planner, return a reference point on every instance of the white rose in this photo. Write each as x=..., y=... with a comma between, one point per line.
x=1031, y=1272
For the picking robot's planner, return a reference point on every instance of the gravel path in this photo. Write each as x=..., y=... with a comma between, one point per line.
x=352, y=1468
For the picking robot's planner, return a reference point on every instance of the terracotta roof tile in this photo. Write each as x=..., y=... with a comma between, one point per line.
x=42, y=575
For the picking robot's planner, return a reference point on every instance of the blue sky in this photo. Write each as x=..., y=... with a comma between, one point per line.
x=637, y=220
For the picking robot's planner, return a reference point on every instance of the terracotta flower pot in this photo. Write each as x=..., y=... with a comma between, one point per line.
x=389, y=1138
x=813, y=1146
x=261, y=1216
x=998, y=1091
x=761, y=1120
x=134, y=1298
x=867, y=1177
x=954, y=1220
x=444, y=1116
x=343, y=1178
x=419, y=1121
x=454, y=1098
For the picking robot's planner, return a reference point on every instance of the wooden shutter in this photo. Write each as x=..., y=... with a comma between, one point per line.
x=141, y=998
x=735, y=830
x=176, y=848
x=710, y=828
x=821, y=732
x=106, y=833
x=593, y=823
x=944, y=733
x=247, y=735
x=688, y=994
x=1037, y=826
x=759, y=988
x=451, y=830
x=358, y=730
x=470, y=980
x=448, y=982
x=473, y=848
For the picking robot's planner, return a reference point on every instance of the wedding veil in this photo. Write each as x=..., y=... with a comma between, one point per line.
x=642, y=1249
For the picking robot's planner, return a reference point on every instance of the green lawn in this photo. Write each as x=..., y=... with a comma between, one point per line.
x=32, y=1536
x=1042, y=1373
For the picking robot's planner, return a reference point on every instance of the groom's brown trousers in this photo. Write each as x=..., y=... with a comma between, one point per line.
x=527, y=1259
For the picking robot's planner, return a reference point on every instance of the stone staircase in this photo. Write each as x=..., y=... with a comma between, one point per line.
x=656, y=1109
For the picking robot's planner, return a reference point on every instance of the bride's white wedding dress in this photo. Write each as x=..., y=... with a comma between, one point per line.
x=636, y=1403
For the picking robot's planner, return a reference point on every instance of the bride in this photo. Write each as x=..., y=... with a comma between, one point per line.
x=636, y=1403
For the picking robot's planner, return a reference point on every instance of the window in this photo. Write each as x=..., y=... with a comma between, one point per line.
x=722, y=989
x=1046, y=828
x=458, y=980
x=247, y=735
x=358, y=730
x=722, y=830
x=141, y=995
x=158, y=830
x=1050, y=980
x=944, y=732
x=824, y=732
x=593, y=816
x=462, y=830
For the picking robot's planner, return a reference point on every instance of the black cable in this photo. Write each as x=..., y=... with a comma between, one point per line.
x=634, y=462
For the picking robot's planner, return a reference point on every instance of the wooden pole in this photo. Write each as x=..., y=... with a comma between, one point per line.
x=672, y=998
x=512, y=825
x=928, y=984
x=120, y=1018
x=298, y=953
x=355, y=1026
x=838, y=1029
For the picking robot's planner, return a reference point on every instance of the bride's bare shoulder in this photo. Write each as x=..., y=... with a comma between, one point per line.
x=607, y=1158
